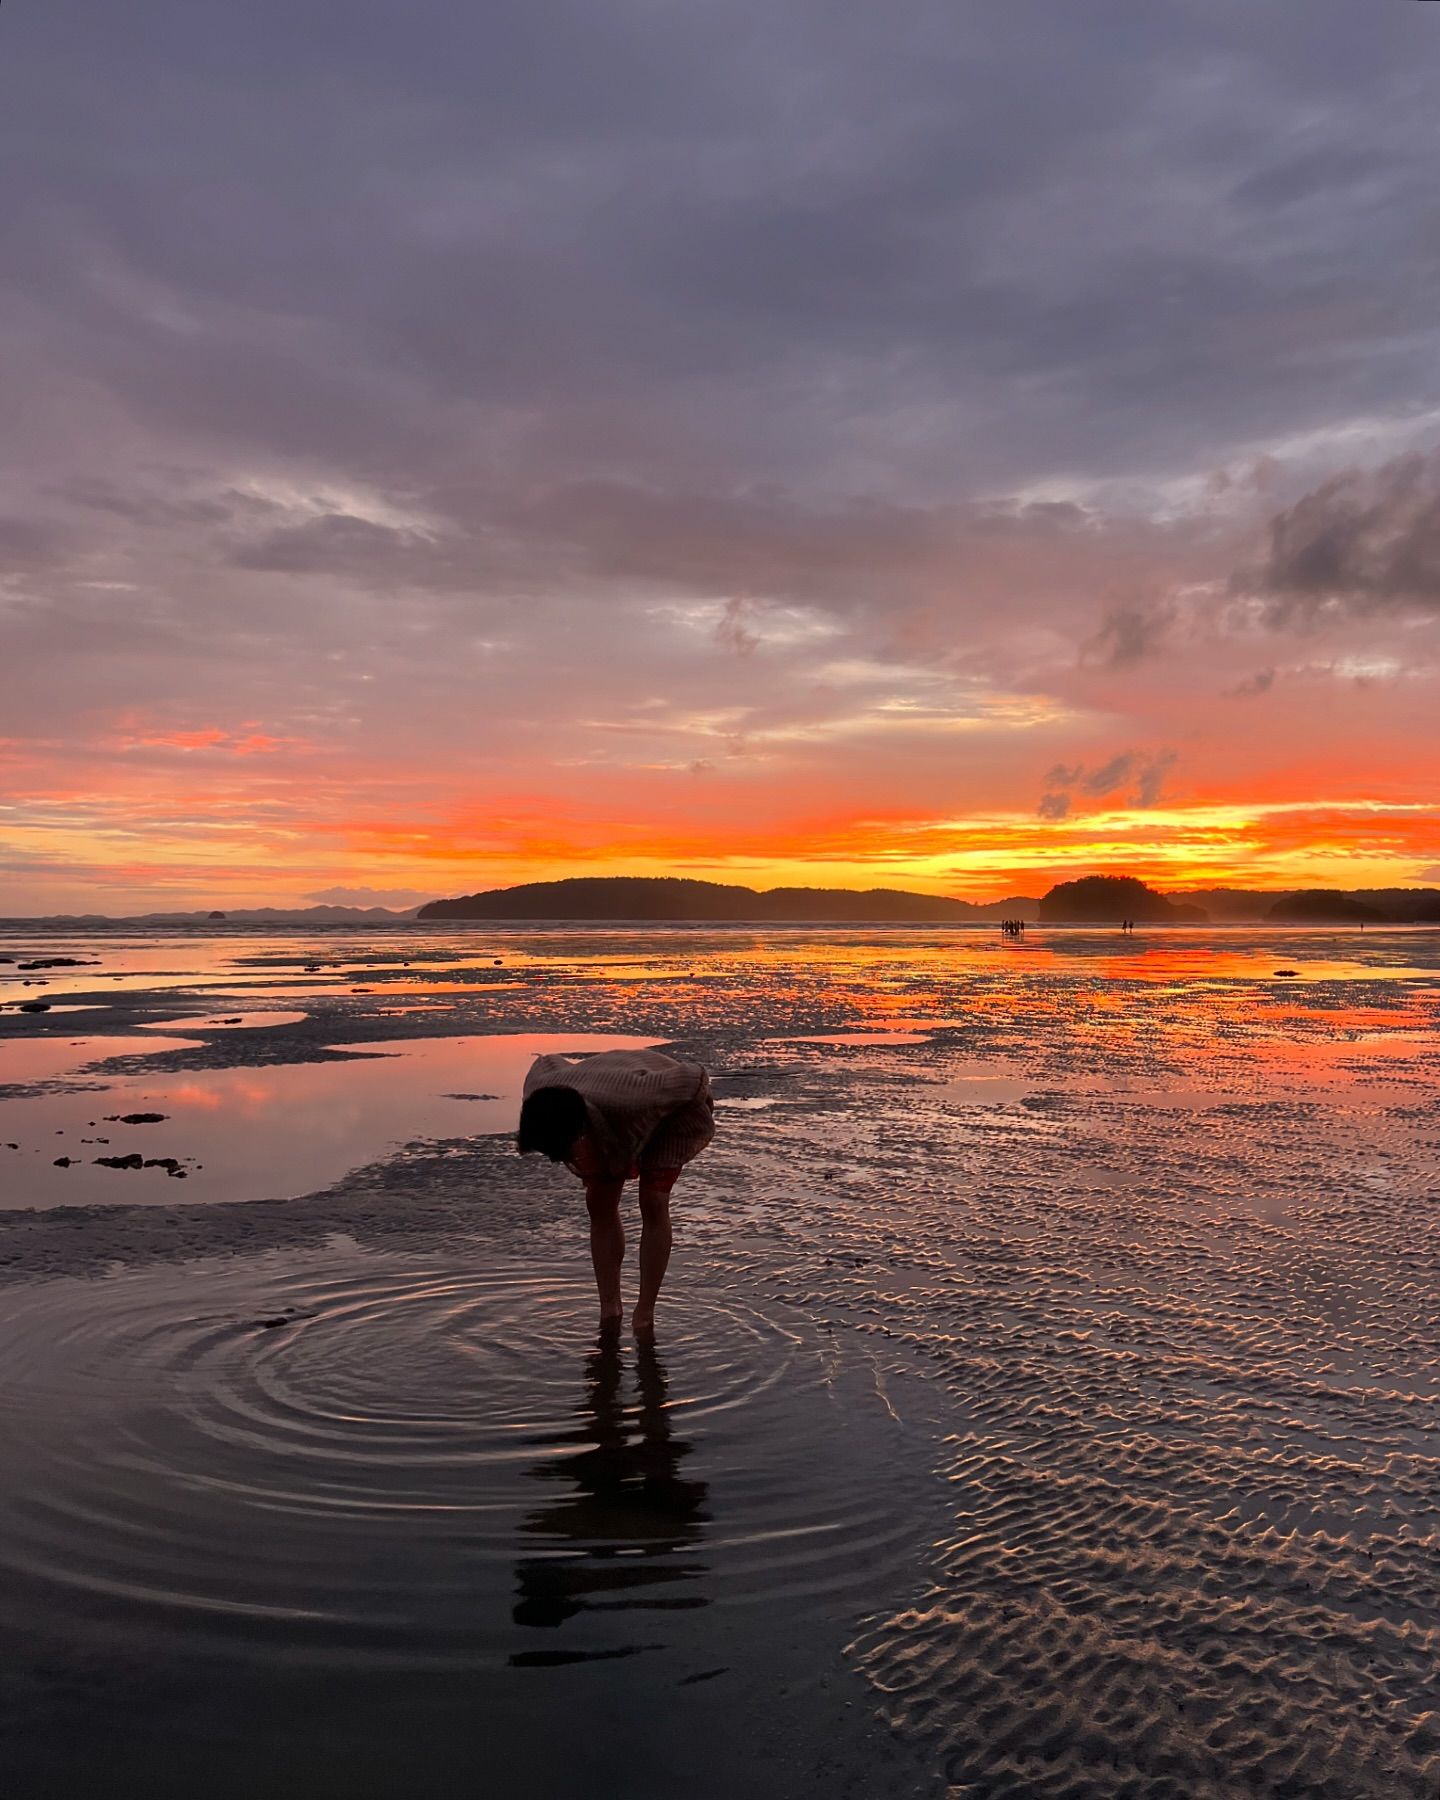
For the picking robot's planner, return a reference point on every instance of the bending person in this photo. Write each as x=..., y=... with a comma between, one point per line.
x=608, y=1118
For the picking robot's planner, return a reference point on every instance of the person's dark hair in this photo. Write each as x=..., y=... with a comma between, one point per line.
x=550, y=1121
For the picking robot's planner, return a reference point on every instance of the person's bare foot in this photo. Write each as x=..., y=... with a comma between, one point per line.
x=642, y=1324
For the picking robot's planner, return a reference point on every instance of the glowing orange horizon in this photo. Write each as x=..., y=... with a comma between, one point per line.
x=160, y=815
x=209, y=847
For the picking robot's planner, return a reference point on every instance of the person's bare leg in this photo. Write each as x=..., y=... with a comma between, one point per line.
x=607, y=1245
x=655, y=1239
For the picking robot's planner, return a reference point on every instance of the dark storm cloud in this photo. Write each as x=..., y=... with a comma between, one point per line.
x=1363, y=543
x=729, y=239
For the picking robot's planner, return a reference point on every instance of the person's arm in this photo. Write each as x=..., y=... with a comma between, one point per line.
x=589, y=1163
x=584, y=1160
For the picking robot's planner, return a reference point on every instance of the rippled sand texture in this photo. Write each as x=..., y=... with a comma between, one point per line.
x=1073, y=1353
x=1192, y=1360
x=1193, y=1550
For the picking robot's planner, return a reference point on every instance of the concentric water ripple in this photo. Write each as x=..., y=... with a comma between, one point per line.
x=429, y=1463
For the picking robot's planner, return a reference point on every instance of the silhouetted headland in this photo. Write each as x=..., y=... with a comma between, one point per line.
x=1091, y=900
x=1327, y=906
x=1112, y=900
x=654, y=898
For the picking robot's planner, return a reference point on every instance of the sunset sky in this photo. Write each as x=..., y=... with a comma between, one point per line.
x=943, y=446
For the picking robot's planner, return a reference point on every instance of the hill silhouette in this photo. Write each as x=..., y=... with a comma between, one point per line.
x=1256, y=906
x=674, y=898
x=276, y=916
x=1095, y=900
x=1325, y=906
x=1107, y=899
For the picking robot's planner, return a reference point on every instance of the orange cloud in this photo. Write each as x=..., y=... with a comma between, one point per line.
x=234, y=743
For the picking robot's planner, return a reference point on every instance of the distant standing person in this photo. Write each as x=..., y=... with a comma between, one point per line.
x=609, y=1117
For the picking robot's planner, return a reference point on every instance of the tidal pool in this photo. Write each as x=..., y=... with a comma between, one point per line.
x=278, y=1507
x=255, y=1131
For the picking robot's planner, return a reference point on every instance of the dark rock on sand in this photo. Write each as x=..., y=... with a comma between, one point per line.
x=168, y=1164
x=34, y=1006
x=58, y=962
x=63, y=1162
x=135, y=1118
x=133, y=1161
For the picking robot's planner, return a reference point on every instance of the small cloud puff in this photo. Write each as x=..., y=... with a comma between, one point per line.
x=1128, y=635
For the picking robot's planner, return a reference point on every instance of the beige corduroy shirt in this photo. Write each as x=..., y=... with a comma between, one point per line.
x=629, y=1094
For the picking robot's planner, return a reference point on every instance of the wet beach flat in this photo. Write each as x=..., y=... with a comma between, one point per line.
x=1046, y=1401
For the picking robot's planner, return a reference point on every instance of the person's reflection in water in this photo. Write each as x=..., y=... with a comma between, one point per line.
x=621, y=1529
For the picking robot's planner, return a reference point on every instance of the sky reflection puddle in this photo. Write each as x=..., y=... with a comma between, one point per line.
x=980, y=1084
x=249, y=1021
x=258, y=1133
x=51, y=1006
x=850, y=1039
x=25, y=1060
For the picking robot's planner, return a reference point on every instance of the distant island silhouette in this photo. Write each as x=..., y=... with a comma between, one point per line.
x=1088, y=900
x=276, y=916
x=1325, y=906
x=1110, y=899
x=634, y=898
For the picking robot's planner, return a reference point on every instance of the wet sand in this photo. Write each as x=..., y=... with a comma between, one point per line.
x=1045, y=1403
